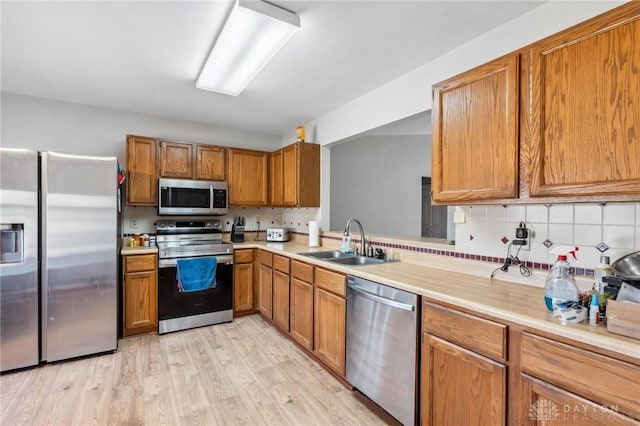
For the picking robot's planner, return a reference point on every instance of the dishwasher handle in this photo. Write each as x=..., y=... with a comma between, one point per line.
x=381, y=299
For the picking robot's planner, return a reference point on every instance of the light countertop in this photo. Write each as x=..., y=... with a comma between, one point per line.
x=127, y=250
x=517, y=303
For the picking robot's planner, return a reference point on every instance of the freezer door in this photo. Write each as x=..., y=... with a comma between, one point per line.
x=79, y=255
x=18, y=258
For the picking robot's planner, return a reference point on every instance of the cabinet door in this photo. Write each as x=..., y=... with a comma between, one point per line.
x=475, y=134
x=176, y=160
x=140, y=302
x=248, y=177
x=329, y=335
x=290, y=175
x=210, y=163
x=142, y=178
x=308, y=180
x=265, y=288
x=584, y=90
x=242, y=287
x=549, y=405
x=281, y=300
x=301, y=310
x=276, y=178
x=460, y=387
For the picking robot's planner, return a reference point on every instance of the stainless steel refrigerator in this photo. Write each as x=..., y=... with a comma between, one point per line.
x=58, y=259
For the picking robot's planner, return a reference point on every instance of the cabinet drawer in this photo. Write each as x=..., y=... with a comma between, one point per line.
x=243, y=256
x=593, y=376
x=302, y=271
x=281, y=263
x=266, y=258
x=139, y=262
x=477, y=334
x=331, y=281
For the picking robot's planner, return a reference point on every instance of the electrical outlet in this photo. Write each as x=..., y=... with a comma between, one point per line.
x=523, y=237
x=133, y=222
x=459, y=217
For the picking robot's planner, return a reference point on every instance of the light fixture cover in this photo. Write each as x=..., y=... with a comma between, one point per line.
x=251, y=37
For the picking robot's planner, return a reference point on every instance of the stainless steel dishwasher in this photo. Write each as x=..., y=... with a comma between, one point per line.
x=382, y=346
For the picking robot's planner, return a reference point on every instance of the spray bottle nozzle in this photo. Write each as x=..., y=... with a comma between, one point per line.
x=573, y=252
x=566, y=250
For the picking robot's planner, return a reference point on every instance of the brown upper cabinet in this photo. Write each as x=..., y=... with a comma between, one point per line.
x=275, y=181
x=475, y=133
x=189, y=161
x=295, y=176
x=210, y=164
x=176, y=160
x=585, y=90
x=142, y=171
x=555, y=121
x=248, y=177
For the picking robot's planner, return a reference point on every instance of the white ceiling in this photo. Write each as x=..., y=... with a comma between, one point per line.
x=145, y=56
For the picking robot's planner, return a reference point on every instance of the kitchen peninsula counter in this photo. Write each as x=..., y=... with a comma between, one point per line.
x=517, y=303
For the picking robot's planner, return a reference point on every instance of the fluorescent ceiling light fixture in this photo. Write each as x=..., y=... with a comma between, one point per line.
x=251, y=37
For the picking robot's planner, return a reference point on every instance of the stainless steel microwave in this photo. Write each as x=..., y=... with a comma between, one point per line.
x=192, y=197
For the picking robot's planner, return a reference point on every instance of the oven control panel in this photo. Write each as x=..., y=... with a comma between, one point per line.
x=188, y=225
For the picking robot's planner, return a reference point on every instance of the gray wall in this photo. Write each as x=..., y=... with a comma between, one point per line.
x=47, y=125
x=377, y=179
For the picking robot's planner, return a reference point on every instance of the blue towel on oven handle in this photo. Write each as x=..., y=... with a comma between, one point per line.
x=196, y=274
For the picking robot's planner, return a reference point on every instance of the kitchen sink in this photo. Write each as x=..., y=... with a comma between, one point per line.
x=327, y=255
x=335, y=256
x=357, y=260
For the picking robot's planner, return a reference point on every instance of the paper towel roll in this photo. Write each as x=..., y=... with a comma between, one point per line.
x=314, y=234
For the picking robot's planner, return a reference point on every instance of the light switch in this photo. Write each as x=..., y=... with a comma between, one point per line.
x=459, y=217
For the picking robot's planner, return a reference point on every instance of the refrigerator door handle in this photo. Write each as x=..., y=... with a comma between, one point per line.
x=44, y=264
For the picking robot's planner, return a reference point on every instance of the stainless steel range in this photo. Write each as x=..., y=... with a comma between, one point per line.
x=179, y=242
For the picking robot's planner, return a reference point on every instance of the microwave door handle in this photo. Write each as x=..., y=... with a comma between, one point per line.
x=210, y=198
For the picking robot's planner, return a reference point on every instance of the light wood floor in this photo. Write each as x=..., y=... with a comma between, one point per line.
x=243, y=372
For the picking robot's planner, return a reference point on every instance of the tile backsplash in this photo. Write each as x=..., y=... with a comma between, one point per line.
x=295, y=219
x=583, y=225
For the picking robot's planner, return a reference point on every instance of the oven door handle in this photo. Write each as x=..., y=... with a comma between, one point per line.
x=171, y=263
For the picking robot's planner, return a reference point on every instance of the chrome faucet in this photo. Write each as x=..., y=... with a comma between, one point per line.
x=347, y=231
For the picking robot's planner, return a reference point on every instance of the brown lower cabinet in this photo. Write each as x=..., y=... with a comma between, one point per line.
x=140, y=297
x=307, y=302
x=462, y=381
x=330, y=319
x=301, y=304
x=243, y=273
x=551, y=405
x=460, y=387
x=581, y=386
x=281, y=300
x=477, y=371
x=265, y=289
x=281, y=291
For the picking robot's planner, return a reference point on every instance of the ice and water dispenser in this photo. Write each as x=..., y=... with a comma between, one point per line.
x=12, y=243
